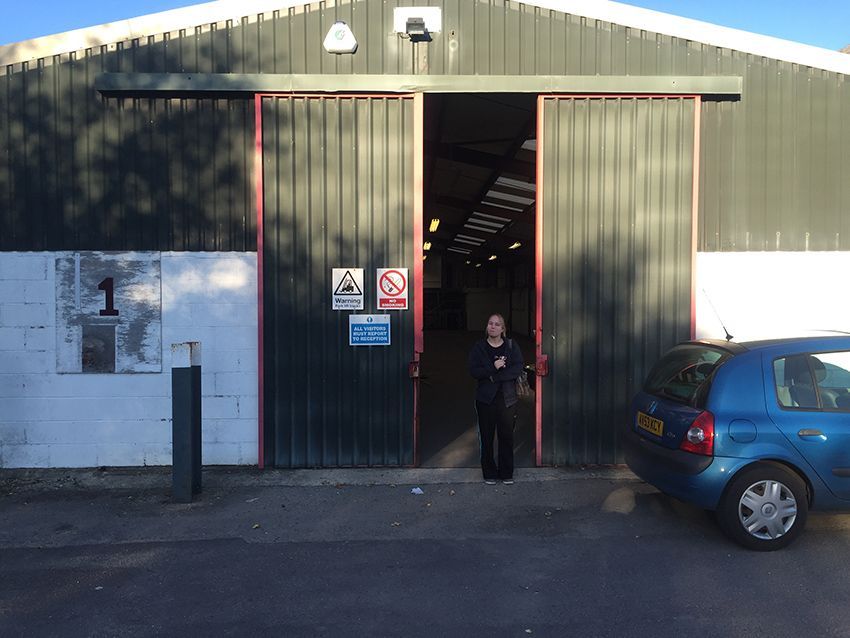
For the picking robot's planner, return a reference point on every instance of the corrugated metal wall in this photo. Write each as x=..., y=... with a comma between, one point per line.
x=773, y=162
x=338, y=175
x=617, y=221
x=774, y=166
x=83, y=172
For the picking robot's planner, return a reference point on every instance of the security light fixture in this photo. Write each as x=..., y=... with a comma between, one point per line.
x=435, y=224
x=416, y=30
x=417, y=23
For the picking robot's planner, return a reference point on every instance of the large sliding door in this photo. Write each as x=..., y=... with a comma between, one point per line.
x=617, y=203
x=338, y=192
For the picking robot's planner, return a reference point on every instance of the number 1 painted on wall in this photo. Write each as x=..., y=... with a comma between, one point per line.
x=107, y=286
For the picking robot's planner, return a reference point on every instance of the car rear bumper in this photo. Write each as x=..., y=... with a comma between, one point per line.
x=689, y=477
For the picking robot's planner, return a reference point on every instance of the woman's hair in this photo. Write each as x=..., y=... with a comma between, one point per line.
x=504, y=325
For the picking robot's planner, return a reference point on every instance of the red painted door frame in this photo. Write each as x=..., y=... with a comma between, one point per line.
x=418, y=164
x=542, y=359
x=418, y=209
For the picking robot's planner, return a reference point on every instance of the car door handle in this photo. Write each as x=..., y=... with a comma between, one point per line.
x=809, y=432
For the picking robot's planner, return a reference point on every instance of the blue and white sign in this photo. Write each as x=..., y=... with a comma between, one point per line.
x=368, y=330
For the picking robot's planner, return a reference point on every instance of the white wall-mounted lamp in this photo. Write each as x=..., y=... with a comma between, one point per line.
x=340, y=39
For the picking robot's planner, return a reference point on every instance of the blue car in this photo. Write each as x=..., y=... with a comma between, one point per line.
x=758, y=432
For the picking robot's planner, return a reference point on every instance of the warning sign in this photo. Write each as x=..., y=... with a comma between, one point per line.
x=392, y=288
x=347, y=289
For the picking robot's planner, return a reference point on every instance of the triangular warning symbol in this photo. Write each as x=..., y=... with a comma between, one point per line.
x=348, y=286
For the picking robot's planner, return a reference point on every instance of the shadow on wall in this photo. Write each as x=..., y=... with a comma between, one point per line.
x=613, y=310
x=336, y=181
x=90, y=172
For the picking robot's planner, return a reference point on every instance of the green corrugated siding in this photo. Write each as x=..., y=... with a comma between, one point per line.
x=617, y=211
x=772, y=167
x=337, y=175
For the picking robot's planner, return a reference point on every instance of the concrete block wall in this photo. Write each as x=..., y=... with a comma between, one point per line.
x=86, y=420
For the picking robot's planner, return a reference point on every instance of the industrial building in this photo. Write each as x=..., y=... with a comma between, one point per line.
x=332, y=197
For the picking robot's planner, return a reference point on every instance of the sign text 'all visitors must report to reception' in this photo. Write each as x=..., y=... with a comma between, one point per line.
x=368, y=330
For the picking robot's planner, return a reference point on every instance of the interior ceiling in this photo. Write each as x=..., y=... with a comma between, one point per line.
x=480, y=172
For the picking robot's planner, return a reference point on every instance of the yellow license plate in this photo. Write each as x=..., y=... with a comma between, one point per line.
x=650, y=424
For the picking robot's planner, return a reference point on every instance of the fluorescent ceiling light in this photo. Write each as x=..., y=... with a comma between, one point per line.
x=424, y=257
x=435, y=224
x=426, y=245
x=478, y=265
x=504, y=220
x=480, y=228
x=529, y=145
x=467, y=241
x=491, y=258
x=485, y=222
x=462, y=251
x=516, y=244
x=478, y=240
x=518, y=184
x=490, y=202
x=525, y=201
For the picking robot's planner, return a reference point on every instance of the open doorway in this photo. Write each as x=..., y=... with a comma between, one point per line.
x=478, y=221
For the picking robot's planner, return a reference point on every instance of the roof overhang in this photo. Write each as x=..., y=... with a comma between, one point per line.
x=235, y=83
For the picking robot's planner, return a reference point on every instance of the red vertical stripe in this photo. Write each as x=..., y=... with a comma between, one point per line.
x=258, y=180
x=695, y=214
x=418, y=209
x=538, y=285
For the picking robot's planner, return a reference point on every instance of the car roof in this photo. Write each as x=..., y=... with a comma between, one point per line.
x=832, y=341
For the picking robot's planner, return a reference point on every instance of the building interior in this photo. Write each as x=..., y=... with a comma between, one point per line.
x=478, y=227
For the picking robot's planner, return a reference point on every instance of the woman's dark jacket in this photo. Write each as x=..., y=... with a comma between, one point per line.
x=489, y=379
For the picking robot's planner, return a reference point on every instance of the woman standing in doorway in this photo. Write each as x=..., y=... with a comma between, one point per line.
x=496, y=362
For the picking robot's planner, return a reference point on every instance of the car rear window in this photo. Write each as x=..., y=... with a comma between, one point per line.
x=684, y=373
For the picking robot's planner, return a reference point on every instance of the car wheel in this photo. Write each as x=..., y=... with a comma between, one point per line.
x=764, y=508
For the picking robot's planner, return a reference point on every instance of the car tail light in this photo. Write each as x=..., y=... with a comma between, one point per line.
x=699, y=439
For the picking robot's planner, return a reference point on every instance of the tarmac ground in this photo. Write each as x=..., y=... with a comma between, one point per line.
x=563, y=552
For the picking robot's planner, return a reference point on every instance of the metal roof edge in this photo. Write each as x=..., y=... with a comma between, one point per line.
x=140, y=27
x=704, y=32
x=605, y=10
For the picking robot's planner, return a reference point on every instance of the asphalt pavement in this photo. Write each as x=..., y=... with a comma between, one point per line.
x=580, y=552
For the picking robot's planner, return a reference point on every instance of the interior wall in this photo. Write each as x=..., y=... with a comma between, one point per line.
x=483, y=302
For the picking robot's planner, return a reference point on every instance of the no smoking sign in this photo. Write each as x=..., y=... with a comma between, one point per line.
x=392, y=288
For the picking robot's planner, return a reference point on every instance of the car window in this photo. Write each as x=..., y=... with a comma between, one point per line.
x=814, y=381
x=833, y=379
x=684, y=373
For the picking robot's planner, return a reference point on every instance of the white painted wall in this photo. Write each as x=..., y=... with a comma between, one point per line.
x=771, y=294
x=83, y=420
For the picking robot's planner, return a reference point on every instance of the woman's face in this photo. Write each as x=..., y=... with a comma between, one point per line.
x=495, y=327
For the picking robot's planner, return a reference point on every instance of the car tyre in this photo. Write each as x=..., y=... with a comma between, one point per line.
x=764, y=508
